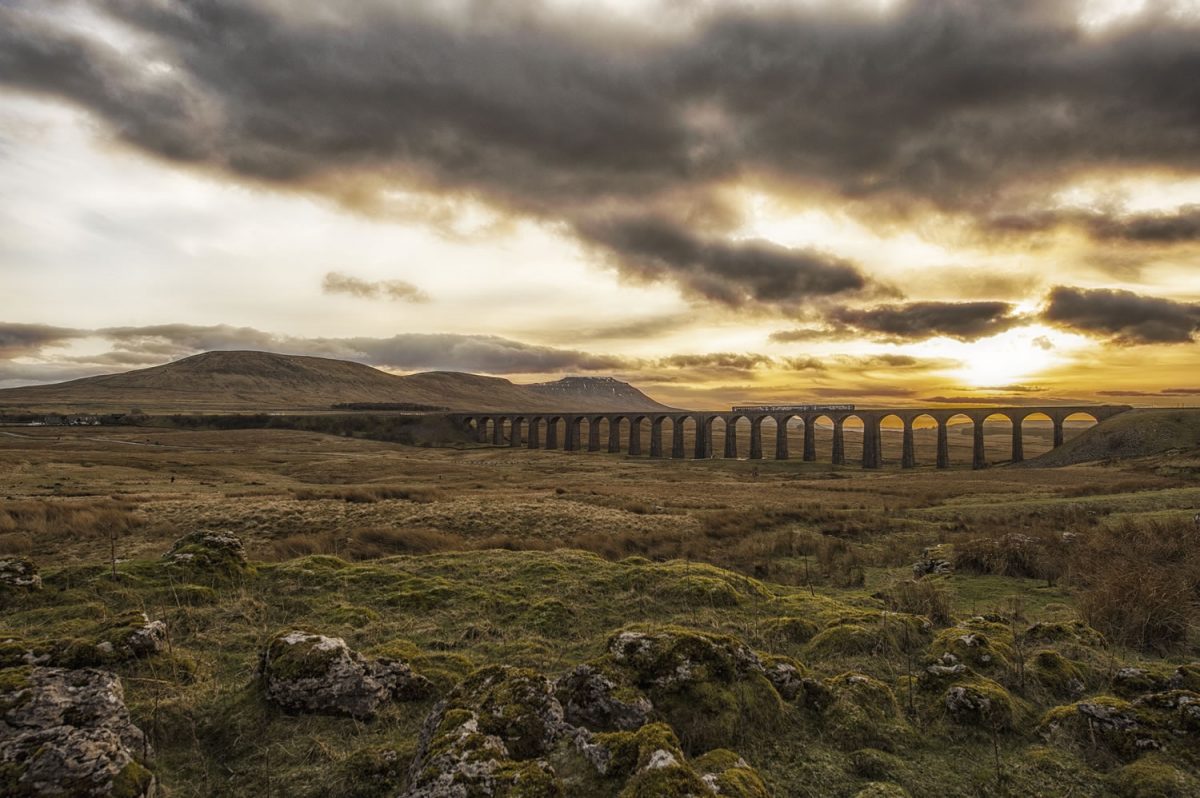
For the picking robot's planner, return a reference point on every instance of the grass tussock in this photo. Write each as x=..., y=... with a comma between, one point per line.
x=24, y=524
x=1141, y=583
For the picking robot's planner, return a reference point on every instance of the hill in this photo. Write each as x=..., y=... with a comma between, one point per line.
x=243, y=381
x=1137, y=433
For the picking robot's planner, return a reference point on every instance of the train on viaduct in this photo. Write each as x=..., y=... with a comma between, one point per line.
x=538, y=430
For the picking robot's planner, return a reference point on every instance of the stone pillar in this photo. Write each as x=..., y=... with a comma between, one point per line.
x=703, y=448
x=535, y=430
x=871, y=443
x=1018, y=444
x=635, y=437
x=731, y=439
x=656, y=447
x=514, y=433
x=908, y=456
x=1059, y=437
x=552, y=433
x=677, y=438
x=756, y=438
x=497, y=431
x=593, y=434
x=839, y=441
x=781, y=439
x=810, y=439
x=572, y=424
x=943, y=446
x=979, y=458
x=614, y=435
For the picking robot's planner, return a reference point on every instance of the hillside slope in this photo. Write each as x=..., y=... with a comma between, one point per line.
x=1137, y=433
x=243, y=381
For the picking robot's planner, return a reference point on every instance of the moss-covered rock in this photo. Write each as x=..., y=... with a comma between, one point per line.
x=979, y=702
x=1103, y=727
x=489, y=737
x=980, y=651
x=1074, y=631
x=729, y=775
x=311, y=673
x=869, y=634
x=19, y=575
x=650, y=762
x=709, y=687
x=1055, y=675
x=1186, y=677
x=1153, y=777
x=373, y=772
x=785, y=674
x=862, y=712
x=789, y=630
x=599, y=697
x=208, y=552
x=1131, y=681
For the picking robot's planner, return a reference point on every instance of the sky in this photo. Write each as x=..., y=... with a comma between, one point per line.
x=889, y=202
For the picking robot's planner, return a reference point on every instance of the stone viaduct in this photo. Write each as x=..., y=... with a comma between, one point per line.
x=526, y=429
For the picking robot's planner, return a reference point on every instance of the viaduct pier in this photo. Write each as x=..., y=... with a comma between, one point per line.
x=582, y=431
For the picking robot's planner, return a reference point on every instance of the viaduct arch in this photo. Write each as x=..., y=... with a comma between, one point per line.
x=542, y=431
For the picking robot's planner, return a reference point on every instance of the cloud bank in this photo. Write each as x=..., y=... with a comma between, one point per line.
x=563, y=115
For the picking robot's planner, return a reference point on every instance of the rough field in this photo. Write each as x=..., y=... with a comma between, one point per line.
x=747, y=629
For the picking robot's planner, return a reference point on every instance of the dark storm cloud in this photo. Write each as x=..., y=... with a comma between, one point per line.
x=1175, y=227
x=17, y=340
x=730, y=273
x=717, y=360
x=397, y=290
x=1122, y=316
x=975, y=109
x=966, y=321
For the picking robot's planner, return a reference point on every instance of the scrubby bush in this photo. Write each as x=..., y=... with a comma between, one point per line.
x=928, y=597
x=1141, y=583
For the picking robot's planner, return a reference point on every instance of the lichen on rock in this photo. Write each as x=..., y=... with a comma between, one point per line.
x=489, y=738
x=600, y=701
x=311, y=673
x=979, y=702
x=68, y=732
x=19, y=574
x=207, y=551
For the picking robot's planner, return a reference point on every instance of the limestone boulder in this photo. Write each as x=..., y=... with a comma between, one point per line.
x=19, y=574
x=220, y=552
x=305, y=672
x=68, y=732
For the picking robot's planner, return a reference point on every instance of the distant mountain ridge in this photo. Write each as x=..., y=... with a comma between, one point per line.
x=236, y=381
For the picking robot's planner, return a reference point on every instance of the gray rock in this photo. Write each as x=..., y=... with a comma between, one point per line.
x=593, y=700
x=311, y=673
x=19, y=573
x=67, y=732
x=786, y=678
x=490, y=734
x=206, y=550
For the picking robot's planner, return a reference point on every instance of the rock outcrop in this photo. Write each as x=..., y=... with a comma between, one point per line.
x=217, y=552
x=68, y=733
x=310, y=673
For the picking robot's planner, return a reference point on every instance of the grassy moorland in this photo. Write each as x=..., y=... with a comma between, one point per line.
x=455, y=560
